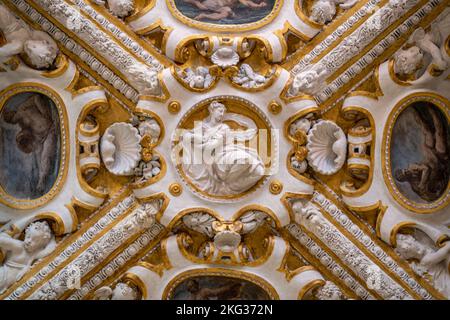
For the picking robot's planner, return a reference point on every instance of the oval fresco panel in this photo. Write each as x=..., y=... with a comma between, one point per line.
x=225, y=15
x=419, y=155
x=218, y=288
x=30, y=148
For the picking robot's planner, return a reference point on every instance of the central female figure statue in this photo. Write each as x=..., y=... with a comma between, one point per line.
x=215, y=157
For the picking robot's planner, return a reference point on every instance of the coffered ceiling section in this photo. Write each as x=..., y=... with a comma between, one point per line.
x=224, y=149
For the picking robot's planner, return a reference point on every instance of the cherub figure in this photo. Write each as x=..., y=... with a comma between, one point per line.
x=307, y=214
x=248, y=78
x=221, y=9
x=122, y=291
x=119, y=8
x=430, y=42
x=323, y=11
x=308, y=81
x=407, y=61
x=38, y=46
x=429, y=178
x=37, y=134
x=20, y=255
x=431, y=261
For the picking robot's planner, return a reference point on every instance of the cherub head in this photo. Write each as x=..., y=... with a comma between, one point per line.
x=409, y=248
x=37, y=236
x=146, y=80
x=305, y=80
x=406, y=62
x=41, y=53
x=216, y=111
x=323, y=11
x=122, y=291
x=150, y=127
x=121, y=8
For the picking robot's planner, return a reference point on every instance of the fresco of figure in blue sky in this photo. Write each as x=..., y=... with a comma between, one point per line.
x=29, y=145
x=226, y=12
x=420, y=152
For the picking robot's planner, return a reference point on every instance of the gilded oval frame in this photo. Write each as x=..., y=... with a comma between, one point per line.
x=214, y=27
x=219, y=272
x=443, y=105
x=58, y=184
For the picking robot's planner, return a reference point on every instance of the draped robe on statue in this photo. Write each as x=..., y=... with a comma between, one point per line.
x=217, y=162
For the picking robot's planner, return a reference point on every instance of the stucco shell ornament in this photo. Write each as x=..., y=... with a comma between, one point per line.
x=225, y=57
x=327, y=147
x=120, y=149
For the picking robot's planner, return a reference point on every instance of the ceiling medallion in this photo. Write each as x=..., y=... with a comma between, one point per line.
x=223, y=148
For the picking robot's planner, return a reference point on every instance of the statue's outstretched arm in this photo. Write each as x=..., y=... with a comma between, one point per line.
x=434, y=258
x=9, y=244
x=11, y=48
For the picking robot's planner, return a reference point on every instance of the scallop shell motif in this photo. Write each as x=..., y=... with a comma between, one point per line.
x=225, y=57
x=120, y=149
x=327, y=147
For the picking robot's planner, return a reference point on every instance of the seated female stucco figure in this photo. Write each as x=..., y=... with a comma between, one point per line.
x=227, y=166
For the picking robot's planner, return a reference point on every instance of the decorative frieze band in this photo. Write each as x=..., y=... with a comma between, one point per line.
x=335, y=36
x=328, y=261
x=369, y=244
x=96, y=229
x=119, y=35
x=95, y=64
x=311, y=77
x=139, y=220
x=374, y=53
x=118, y=262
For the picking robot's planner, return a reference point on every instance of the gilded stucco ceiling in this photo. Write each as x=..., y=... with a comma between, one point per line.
x=206, y=149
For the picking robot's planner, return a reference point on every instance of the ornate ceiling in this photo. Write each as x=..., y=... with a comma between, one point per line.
x=206, y=149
